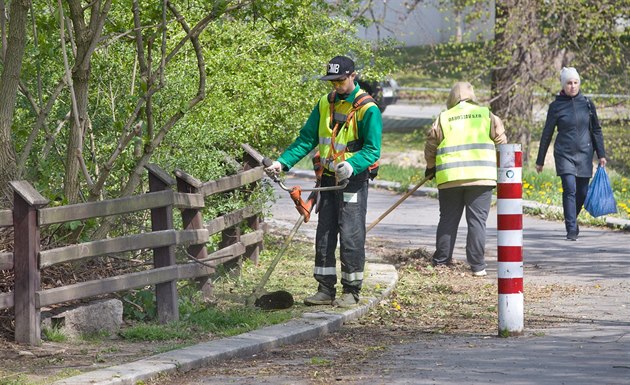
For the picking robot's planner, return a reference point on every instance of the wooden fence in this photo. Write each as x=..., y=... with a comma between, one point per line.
x=30, y=213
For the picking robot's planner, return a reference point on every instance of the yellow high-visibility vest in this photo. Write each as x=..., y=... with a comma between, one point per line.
x=338, y=130
x=467, y=151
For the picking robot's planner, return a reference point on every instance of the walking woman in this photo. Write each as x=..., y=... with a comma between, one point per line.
x=579, y=136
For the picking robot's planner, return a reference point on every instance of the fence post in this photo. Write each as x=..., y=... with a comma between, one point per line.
x=229, y=237
x=510, y=239
x=253, y=251
x=26, y=201
x=192, y=219
x=162, y=219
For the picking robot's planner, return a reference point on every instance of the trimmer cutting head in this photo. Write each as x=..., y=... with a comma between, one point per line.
x=274, y=301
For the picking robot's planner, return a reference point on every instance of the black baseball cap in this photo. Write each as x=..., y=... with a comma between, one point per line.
x=338, y=68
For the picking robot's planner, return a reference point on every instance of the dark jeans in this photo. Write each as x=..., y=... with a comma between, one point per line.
x=574, y=190
x=341, y=214
x=476, y=200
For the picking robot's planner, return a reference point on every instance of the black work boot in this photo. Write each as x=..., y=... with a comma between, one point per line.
x=346, y=300
x=319, y=298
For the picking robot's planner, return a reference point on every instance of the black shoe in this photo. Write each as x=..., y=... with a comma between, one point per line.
x=346, y=300
x=572, y=237
x=319, y=298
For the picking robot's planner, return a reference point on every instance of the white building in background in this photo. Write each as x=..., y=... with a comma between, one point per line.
x=427, y=23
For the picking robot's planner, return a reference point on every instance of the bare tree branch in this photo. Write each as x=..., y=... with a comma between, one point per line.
x=51, y=137
x=138, y=171
x=75, y=110
x=42, y=115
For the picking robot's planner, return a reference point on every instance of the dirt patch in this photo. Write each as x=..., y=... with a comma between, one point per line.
x=54, y=360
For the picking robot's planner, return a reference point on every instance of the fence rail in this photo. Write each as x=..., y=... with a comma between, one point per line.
x=30, y=213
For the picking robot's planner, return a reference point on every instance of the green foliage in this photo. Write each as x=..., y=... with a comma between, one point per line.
x=13, y=379
x=532, y=40
x=95, y=336
x=261, y=62
x=140, y=305
x=203, y=320
x=54, y=334
x=319, y=361
x=617, y=142
x=198, y=317
x=155, y=332
x=404, y=141
x=406, y=176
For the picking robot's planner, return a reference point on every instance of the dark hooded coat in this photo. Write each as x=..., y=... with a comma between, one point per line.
x=579, y=135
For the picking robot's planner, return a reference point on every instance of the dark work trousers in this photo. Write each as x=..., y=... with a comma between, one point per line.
x=574, y=190
x=476, y=200
x=341, y=213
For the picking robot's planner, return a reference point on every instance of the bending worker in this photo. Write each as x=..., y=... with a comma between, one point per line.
x=346, y=127
x=460, y=153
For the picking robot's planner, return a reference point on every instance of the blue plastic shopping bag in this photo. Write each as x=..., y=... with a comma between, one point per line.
x=600, y=199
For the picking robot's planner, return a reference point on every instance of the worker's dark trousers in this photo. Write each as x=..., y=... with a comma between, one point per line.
x=476, y=200
x=341, y=213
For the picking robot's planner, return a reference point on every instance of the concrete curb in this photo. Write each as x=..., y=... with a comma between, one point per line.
x=311, y=325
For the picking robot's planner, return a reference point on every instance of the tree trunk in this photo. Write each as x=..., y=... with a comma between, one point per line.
x=516, y=68
x=9, y=81
x=87, y=36
x=80, y=80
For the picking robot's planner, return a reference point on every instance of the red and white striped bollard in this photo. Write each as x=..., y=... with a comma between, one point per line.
x=510, y=238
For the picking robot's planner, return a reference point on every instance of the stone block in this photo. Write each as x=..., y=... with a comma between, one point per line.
x=96, y=317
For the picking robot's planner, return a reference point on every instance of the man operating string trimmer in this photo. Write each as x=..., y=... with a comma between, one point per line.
x=346, y=127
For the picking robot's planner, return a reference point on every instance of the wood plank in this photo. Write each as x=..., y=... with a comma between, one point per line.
x=253, y=237
x=217, y=259
x=232, y=251
x=117, y=245
x=120, y=283
x=232, y=182
x=159, y=173
x=105, y=208
x=238, y=216
x=6, y=218
x=188, y=201
x=6, y=261
x=28, y=193
x=189, y=179
x=231, y=219
x=216, y=225
x=235, y=250
x=252, y=152
x=6, y=300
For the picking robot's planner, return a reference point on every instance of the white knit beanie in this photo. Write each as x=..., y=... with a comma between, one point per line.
x=568, y=73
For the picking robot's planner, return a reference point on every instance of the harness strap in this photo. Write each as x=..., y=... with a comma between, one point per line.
x=359, y=101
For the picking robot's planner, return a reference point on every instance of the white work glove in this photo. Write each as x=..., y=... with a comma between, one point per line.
x=343, y=171
x=274, y=169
